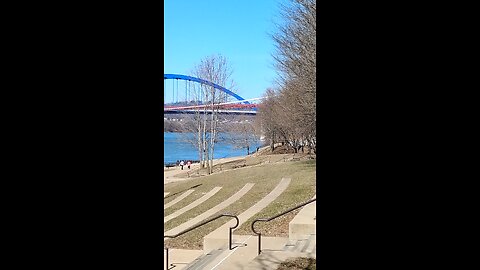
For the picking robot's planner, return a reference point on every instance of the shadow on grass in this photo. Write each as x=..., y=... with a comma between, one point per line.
x=294, y=263
x=298, y=263
x=170, y=195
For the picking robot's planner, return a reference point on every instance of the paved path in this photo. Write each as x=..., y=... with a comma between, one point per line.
x=171, y=174
x=181, y=257
x=239, y=257
x=216, y=239
x=181, y=197
x=270, y=260
x=211, y=211
x=192, y=205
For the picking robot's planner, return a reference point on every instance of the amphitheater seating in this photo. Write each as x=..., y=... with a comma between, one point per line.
x=179, y=198
x=216, y=254
x=192, y=205
x=211, y=211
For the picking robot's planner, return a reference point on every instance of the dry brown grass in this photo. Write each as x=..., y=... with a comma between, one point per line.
x=254, y=160
x=301, y=189
x=299, y=263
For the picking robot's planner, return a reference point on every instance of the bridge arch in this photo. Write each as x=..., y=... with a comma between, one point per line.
x=198, y=80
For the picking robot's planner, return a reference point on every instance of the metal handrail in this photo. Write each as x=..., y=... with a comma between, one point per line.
x=201, y=224
x=274, y=217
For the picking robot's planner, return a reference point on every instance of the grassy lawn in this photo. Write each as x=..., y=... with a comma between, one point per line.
x=265, y=176
x=301, y=189
x=298, y=264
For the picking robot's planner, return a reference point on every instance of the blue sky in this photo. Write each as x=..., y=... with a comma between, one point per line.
x=236, y=29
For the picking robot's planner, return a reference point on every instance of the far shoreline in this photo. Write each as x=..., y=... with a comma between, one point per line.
x=195, y=161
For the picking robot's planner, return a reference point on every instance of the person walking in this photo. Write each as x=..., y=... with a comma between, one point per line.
x=188, y=164
x=181, y=164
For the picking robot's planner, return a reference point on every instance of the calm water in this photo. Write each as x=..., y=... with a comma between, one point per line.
x=176, y=148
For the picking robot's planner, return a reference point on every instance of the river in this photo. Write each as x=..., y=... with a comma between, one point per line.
x=177, y=147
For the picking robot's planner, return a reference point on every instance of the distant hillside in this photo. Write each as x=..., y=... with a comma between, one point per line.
x=172, y=126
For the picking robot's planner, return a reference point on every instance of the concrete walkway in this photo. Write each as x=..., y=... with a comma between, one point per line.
x=192, y=205
x=275, y=250
x=180, y=257
x=270, y=260
x=181, y=197
x=211, y=211
x=219, y=237
x=244, y=253
x=174, y=174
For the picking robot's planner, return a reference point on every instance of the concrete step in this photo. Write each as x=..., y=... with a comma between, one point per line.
x=218, y=262
x=271, y=259
x=290, y=245
x=305, y=245
x=311, y=247
x=203, y=261
x=244, y=252
x=304, y=223
x=296, y=246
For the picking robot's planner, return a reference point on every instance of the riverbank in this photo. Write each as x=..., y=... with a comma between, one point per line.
x=263, y=156
x=179, y=146
x=174, y=174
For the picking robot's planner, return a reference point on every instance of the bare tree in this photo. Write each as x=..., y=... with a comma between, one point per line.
x=214, y=69
x=268, y=118
x=289, y=114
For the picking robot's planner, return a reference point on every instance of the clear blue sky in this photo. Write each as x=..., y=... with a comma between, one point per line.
x=237, y=29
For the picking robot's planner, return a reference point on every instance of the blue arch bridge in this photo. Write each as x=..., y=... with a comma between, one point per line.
x=185, y=97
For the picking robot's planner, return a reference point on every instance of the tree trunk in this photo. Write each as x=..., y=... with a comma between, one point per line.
x=272, y=142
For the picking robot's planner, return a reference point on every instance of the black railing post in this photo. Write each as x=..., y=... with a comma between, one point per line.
x=166, y=259
x=230, y=239
x=259, y=243
x=230, y=232
x=259, y=235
